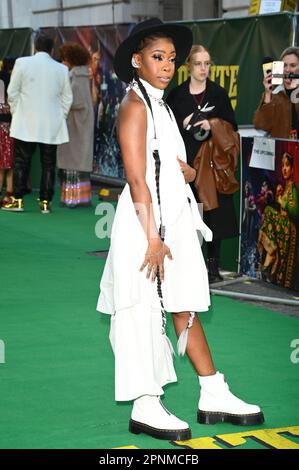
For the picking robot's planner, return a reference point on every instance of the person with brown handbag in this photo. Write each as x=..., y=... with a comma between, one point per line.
x=200, y=95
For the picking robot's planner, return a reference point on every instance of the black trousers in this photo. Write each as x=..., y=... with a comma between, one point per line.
x=213, y=249
x=23, y=152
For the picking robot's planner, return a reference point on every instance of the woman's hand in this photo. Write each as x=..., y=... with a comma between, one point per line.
x=279, y=191
x=268, y=87
x=267, y=82
x=187, y=120
x=204, y=124
x=154, y=259
x=187, y=170
x=280, y=196
x=4, y=108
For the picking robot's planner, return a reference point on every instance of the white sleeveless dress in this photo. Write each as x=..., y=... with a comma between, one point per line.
x=143, y=363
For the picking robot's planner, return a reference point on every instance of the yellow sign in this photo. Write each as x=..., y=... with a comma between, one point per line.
x=289, y=5
x=277, y=438
x=254, y=7
x=259, y=7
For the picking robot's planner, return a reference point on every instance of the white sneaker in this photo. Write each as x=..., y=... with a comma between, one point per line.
x=217, y=404
x=149, y=416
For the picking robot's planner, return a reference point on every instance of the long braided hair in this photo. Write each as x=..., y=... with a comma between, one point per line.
x=182, y=342
x=157, y=160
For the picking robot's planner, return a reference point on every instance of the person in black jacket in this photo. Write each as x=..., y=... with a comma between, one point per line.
x=199, y=92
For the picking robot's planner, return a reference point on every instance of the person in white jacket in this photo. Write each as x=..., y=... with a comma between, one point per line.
x=40, y=96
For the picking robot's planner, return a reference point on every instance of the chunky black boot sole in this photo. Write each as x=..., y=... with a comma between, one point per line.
x=213, y=417
x=171, y=435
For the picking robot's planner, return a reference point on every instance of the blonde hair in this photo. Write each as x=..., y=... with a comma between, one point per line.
x=194, y=50
x=289, y=51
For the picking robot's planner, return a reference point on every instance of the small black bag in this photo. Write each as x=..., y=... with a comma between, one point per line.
x=198, y=133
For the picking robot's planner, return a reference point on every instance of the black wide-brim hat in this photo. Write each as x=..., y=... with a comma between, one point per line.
x=181, y=36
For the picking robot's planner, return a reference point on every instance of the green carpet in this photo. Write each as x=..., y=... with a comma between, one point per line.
x=57, y=381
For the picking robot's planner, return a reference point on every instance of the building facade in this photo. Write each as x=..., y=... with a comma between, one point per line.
x=41, y=13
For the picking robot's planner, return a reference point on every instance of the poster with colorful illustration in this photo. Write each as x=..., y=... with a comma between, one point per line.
x=107, y=89
x=269, y=222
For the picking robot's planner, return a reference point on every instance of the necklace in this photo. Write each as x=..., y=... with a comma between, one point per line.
x=134, y=85
x=160, y=101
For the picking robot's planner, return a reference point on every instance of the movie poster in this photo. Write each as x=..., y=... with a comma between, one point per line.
x=269, y=219
x=107, y=90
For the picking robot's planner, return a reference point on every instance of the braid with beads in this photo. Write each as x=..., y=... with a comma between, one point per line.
x=183, y=338
x=156, y=157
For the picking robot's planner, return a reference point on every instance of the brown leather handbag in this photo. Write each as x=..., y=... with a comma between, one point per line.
x=224, y=152
x=223, y=170
x=215, y=164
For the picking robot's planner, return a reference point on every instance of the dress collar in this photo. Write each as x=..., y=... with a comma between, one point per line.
x=155, y=93
x=152, y=91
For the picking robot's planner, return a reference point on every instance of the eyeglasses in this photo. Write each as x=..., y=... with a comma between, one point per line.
x=204, y=65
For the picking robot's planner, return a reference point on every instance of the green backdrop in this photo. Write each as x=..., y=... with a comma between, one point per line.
x=15, y=42
x=237, y=47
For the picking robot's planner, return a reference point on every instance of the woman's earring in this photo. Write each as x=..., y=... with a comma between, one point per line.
x=134, y=63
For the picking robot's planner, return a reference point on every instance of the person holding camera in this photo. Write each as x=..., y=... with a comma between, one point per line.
x=202, y=100
x=278, y=111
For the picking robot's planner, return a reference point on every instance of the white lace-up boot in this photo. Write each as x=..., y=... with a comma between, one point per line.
x=149, y=416
x=217, y=404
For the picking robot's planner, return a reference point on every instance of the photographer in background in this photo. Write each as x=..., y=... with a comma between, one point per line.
x=199, y=93
x=277, y=114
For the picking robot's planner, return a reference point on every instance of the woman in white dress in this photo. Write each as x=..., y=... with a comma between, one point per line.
x=155, y=261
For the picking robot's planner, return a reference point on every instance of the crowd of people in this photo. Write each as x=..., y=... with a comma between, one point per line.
x=60, y=121
x=47, y=105
x=51, y=105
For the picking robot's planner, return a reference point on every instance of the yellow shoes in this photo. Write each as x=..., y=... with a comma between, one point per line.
x=15, y=205
x=45, y=207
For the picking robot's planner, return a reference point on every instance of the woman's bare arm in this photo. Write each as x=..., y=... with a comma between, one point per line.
x=132, y=123
x=132, y=127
